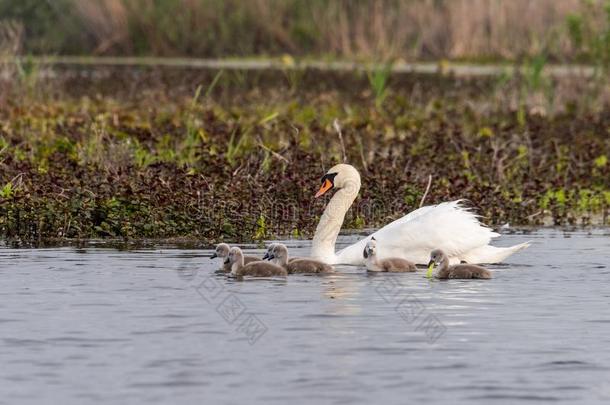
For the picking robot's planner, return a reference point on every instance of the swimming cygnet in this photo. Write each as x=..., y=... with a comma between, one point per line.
x=392, y=265
x=444, y=271
x=269, y=255
x=254, y=269
x=222, y=251
x=279, y=253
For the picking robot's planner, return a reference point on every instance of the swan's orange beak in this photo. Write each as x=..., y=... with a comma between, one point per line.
x=327, y=185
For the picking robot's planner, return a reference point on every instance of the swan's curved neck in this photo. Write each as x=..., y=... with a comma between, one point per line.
x=323, y=243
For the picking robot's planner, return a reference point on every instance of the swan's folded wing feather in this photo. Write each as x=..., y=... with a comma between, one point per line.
x=353, y=253
x=448, y=226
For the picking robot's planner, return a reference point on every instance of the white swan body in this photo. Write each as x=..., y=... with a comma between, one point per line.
x=448, y=226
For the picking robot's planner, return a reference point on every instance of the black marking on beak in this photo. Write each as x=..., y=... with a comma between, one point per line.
x=266, y=256
x=214, y=256
x=330, y=177
x=430, y=263
x=366, y=254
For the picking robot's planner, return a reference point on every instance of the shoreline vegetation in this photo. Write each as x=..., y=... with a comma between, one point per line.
x=288, y=62
x=210, y=155
x=566, y=31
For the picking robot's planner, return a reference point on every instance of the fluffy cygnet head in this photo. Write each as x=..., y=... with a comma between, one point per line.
x=370, y=250
x=279, y=253
x=437, y=256
x=269, y=252
x=340, y=176
x=236, y=255
x=222, y=251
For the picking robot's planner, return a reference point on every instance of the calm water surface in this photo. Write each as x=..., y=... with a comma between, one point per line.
x=154, y=326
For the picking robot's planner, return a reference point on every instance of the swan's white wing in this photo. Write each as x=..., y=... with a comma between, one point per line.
x=353, y=254
x=448, y=226
x=414, y=214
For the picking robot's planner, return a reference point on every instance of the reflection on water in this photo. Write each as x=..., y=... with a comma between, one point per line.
x=156, y=326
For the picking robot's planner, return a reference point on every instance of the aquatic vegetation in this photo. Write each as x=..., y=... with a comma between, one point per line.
x=7, y=191
x=163, y=156
x=261, y=228
x=378, y=79
x=600, y=162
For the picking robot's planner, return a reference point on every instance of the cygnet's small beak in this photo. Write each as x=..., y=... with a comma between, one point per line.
x=270, y=256
x=430, y=268
x=266, y=256
x=214, y=256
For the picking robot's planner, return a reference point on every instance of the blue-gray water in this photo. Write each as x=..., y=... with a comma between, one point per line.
x=148, y=326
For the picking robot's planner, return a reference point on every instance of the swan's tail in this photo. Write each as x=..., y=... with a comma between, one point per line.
x=491, y=254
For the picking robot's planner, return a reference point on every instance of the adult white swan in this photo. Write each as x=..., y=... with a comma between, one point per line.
x=447, y=226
